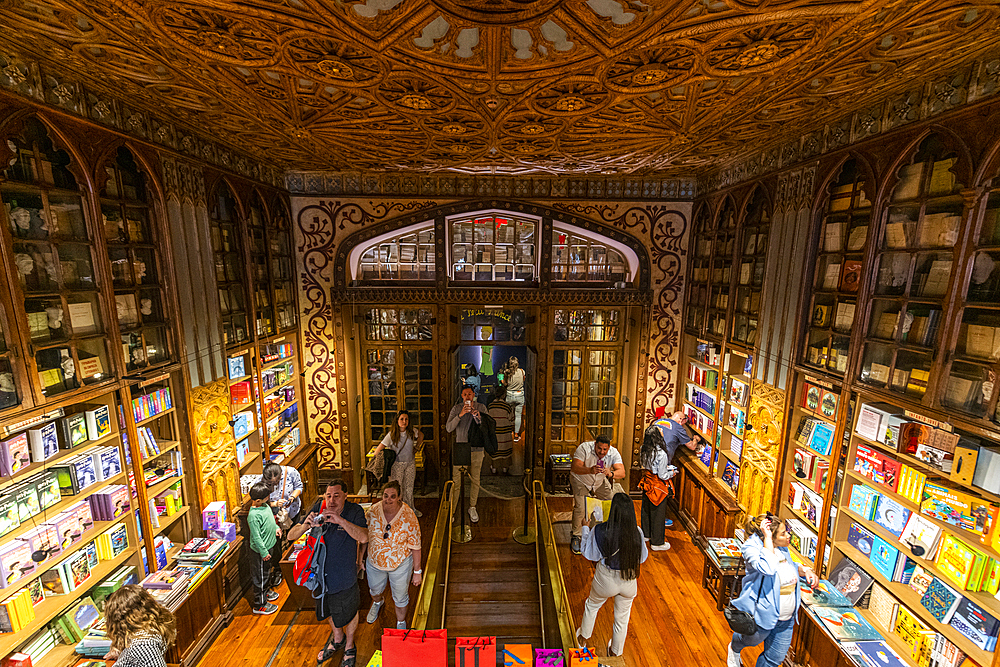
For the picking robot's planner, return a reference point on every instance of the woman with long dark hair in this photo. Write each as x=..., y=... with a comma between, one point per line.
x=403, y=438
x=618, y=548
x=656, y=471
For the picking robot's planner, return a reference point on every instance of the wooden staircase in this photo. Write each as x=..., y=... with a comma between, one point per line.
x=493, y=590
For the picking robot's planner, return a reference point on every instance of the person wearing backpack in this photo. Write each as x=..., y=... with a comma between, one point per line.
x=341, y=527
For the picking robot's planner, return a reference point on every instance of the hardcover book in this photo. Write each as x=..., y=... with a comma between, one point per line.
x=26, y=496
x=15, y=455
x=98, y=422
x=48, y=489
x=9, y=517
x=44, y=441
x=976, y=623
x=955, y=508
x=863, y=501
x=884, y=557
x=821, y=438
x=920, y=580
x=845, y=623
x=891, y=515
x=882, y=606
x=83, y=470
x=850, y=579
x=957, y=560
x=940, y=600
x=920, y=535
x=74, y=430
x=824, y=595
x=875, y=653
x=15, y=561
x=110, y=462
x=861, y=539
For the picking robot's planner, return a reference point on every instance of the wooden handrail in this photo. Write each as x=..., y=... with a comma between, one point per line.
x=434, y=587
x=551, y=569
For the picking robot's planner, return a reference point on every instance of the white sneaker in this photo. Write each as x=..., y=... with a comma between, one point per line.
x=732, y=657
x=660, y=547
x=474, y=515
x=400, y=625
x=373, y=613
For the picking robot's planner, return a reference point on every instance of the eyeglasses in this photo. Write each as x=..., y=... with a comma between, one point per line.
x=388, y=527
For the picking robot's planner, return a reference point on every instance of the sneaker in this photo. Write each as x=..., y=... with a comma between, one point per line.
x=474, y=515
x=266, y=609
x=272, y=595
x=660, y=547
x=732, y=657
x=400, y=625
x=668, y=523
x=574, y=545
x=373, y=613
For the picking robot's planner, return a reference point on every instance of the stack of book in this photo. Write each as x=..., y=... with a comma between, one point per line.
x=96, y=642
x=202, y=550
x=168, y=587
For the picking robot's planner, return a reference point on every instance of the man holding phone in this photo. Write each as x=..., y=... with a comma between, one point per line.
x=461, y=417
x=596, y=467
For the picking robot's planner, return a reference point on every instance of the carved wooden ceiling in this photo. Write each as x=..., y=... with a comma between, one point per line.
x=501, y=86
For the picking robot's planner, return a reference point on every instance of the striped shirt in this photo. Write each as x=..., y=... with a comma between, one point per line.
x=503, y=414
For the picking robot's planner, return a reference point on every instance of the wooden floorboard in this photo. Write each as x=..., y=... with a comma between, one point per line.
x=674, y=620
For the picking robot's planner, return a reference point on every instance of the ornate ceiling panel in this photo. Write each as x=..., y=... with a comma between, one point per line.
x=500, y=86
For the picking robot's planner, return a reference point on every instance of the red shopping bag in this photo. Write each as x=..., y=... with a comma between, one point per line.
x=412, y=648
x=475, y=651
x=582, y=657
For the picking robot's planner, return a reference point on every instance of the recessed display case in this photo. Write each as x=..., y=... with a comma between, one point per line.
x=750, y=277
x=229, y=263
x=700, y=271
x=722, y=271
x=260, y=275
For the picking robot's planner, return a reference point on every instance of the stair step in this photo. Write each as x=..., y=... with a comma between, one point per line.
x=516, y=590
x=486, y=577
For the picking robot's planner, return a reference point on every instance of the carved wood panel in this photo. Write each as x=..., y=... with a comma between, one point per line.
x=498, y=86
x=213, y=437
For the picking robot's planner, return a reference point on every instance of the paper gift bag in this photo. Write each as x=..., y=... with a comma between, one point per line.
x=582, y=657
x=549, y=657
x=475, y=652
x=376, y=660
x=410, y=648
x=517, y=655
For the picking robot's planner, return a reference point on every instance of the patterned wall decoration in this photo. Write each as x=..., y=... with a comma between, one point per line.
x=322, y=225
x=663, y=229
x=761, y=448
x=213, y=438
x=499, y=87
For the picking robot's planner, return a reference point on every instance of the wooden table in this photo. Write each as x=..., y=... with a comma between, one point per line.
x=723, y=582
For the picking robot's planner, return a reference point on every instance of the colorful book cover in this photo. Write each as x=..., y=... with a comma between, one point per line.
x=956, y=560
x=920, y=580
x=74, y=430
x=861, y=500
x=976, y=623
x=15, y=455
x=28, y=506
x=887, y=473
x=908, y=627
x=955, y=508
x=98, y=422
x=15, y=561
x=876, y=653
x=920, y=535
x=48, y=489
x=884, y=557
x=850, y=579
x=861, y=539
x=846, y=624
x=821, y=438
x=77, y=569
x=44, y=441
x=9, y=517
x=891, y=515
x=731, y=475
x=824, y=595
x=940, y=600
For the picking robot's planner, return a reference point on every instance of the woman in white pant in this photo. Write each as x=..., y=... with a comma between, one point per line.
x=393, y=553
x=402, y=438
x=618, y=547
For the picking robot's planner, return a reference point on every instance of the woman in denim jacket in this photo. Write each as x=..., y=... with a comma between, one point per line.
x=770, y=591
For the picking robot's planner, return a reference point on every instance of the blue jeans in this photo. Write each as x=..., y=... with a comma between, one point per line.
x=776, y=643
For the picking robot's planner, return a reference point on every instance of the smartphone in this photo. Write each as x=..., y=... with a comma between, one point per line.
x=468, y=403
x=600, y=464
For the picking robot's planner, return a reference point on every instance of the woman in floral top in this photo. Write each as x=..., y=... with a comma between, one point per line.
x=393, y=552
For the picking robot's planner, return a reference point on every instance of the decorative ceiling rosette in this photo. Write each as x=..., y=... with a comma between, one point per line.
x=571, y=98
x=759, y=48
x=460, y=123
x=525, y=150
x=649, y=69
x=413, y=94
x=226, y=38
x=333, y=61
x=529, y=126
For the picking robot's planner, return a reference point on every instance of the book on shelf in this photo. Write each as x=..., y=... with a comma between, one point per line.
x=872, y=420
x=920, y=535
x=882, y=606
x=844, y=623
x=909, y=628
x=844, y=319
x=873, y=653
x=876, y=466
x=987, y=474
x=982, y=342
x=824, y=595
x=802, y=538
x=850, y=277
x=864, y=500
x=98, y=422
x=885, y=326
x=856, y=239
x=962, y=564
x=861, y=539
x=897, y=233
x=954, y=508
x=934, y=283
x=831, y=278
x=920, y=580
x=940, y=600
x=886, y=559
x=976, y=624
x=891, y=516
x=821, y=437
x=911, y=484
x=851, y=579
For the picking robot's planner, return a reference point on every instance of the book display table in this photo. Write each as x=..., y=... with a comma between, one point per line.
x=723, y=580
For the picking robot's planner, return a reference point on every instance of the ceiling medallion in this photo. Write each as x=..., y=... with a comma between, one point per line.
x=532, y=128
x=219, y=42
x=335, y=68
x=415, y=101
x=453, y=128
x=459, y=148
x=570, y=103
x=759, y=53
x=650, y=75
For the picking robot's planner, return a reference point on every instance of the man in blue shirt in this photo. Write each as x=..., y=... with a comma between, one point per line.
x=344, y=528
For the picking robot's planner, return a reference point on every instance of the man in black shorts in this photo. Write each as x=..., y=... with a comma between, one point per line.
x=344, y=527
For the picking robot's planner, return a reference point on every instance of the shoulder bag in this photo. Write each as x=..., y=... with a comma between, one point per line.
x=742, y=622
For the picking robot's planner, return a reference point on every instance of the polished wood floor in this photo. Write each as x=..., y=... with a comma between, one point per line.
x=674, y=620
